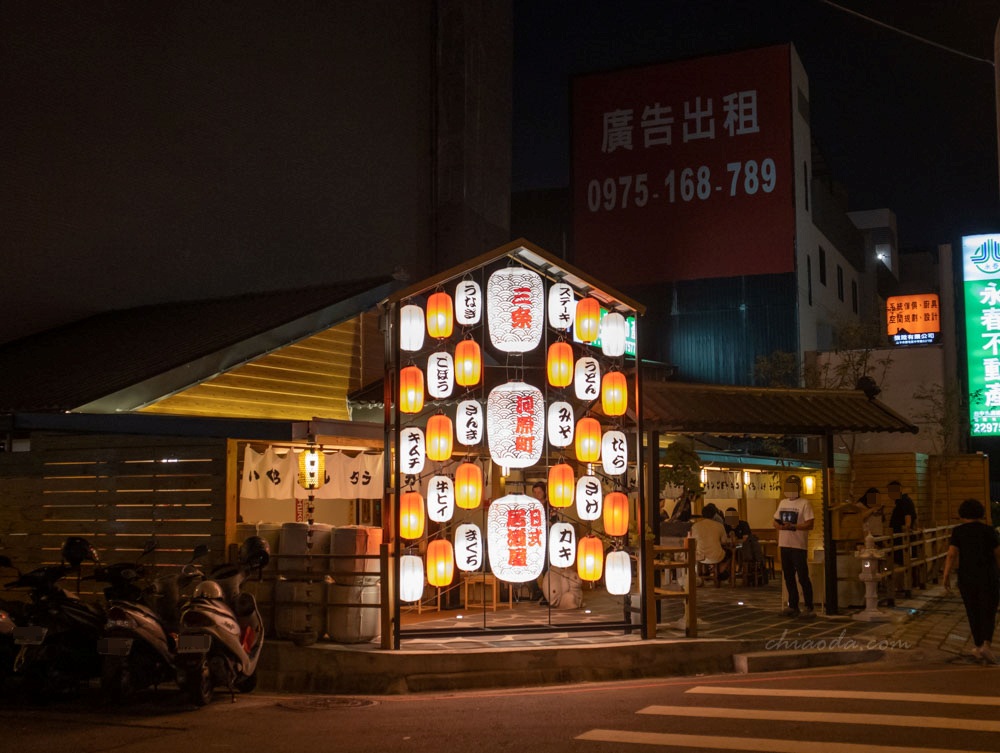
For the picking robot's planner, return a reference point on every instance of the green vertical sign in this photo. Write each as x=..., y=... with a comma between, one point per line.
x=981, y=282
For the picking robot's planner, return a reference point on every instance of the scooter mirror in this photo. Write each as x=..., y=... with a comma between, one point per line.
x=199, y=551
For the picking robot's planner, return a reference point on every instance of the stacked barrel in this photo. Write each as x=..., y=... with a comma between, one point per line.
x=356, y=582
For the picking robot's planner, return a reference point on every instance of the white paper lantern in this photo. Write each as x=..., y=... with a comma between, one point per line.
x=613, y=329
x=469, y=422
x=411, y=328
x=516, y=307
x=589, y=498
x=587, y=378
x=515, y=531
x=468, y=547
x=515, y=424
x=440, y=499
x=411, y=578
x=614, y=453
x=468, y=303
x=561, y=423
x=562, y=545
x=562, y=306
x=412, y=451
x=440, y=375
x=618, y=573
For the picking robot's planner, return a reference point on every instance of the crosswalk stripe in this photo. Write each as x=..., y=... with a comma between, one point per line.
x=745, y=743
x=783, y=715
x=969, y=700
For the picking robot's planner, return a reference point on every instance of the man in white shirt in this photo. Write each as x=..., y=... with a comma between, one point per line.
x=794, y=519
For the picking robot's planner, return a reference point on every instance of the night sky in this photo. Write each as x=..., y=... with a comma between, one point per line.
x=158, y=151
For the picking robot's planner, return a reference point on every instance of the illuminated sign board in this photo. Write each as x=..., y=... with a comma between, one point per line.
x=913, y=319
x=683, y=171
x=981, y=283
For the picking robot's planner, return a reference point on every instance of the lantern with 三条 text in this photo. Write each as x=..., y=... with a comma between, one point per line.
x=589, y=558
x=440, y=374
x=411, y=389
x=562, y=544
x=618, y=573
x=587, y=379
x=468, y=547
x=589, y=498
x=515, y=424
x=561, y=485
x=439, y=437
x=468, y=363
x=312, y=469
x=440, y=563
x=468, y=303
x=468, y=486
x=613, y=331
x=411, y=515
x=515, y=307
x=440, y=499
x=616, y=506
x=614, y=393
x=411, y=328
x=561, y=422
x=588, y=440
x=469, y=422
x=440, y=315
x=411, y=578
x=614, y=453
x=560, y=364
x=588, y=319
x=562, y=306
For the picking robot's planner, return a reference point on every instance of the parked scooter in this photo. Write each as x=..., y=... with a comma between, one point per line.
x=10, y=613
x=138, y=647
x=57, y=645
x=222, y=632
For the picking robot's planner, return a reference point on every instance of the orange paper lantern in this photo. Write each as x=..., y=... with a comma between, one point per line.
x=468, y=486
x=589, y=558
x=468, y=363
x=411, y=515
x=439, y=437
x=411, y=389
x=562, y=485
x=560, y=364
x=440, y=563
x=440, y=315
x=588, y=319
x=588, y=440
x=614, y=393
x=616, y=514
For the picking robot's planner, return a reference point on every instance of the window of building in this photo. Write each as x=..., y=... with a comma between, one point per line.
x=854, y=296
x=840, y=282
x=822, y=266
x=809, y=279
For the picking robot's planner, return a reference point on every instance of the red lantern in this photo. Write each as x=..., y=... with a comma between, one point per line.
x=614, y=393
x=439, y=437
x=440, y=563
x=560, y=364
x=588, y=319
x=411, y=515
x=468, y=486
x=468, y=363
x=411, y=389
x=616, y=506
x=588, y=440
x=589, y=558
x=562, y=485
x=440, y=315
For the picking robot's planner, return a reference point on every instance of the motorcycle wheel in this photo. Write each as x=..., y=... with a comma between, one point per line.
x=116, y=679
x=198, y=684
x=247, y=684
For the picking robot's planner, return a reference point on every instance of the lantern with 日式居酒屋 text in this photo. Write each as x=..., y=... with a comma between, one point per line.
x=440, y=315
x=516, y=532
x=589, y=558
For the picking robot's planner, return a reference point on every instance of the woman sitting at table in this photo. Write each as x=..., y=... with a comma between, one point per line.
x=712, y=541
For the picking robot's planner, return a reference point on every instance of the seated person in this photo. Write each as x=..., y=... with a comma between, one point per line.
x=739, y=529
x=712, y=541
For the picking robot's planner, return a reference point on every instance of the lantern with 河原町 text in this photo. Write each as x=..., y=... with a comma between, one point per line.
x=515, y=424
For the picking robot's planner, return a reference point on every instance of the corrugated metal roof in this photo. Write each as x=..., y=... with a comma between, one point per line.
x=154, y=350
x=738, y=411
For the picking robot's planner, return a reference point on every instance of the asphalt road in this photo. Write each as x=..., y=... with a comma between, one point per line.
x=874, y=708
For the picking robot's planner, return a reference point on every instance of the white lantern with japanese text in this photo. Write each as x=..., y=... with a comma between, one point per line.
x=411, y=578
x=614, y=453
x=515, y=538
x=589, y=498
x=469, y=422
x=412, y=451
x=586, y=379
x=515, y=305
x=468, y=303
x=562, y=306
x=440, y=374
x=411, y=328
x=562, y=545
x=440, y=499
x=515, y=424
x=618, y=573
x=468, y=547
x=561, y=423
x=613, y=330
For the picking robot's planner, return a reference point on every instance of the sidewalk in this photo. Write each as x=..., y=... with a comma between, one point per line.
x=738, y=627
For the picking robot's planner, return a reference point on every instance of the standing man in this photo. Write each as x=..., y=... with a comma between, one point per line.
x=794, y=519
x=903, y=520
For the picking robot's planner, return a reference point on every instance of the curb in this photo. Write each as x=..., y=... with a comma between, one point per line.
x=776, y=661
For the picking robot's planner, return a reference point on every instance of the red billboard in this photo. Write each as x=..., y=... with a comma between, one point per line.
x=684, y=170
